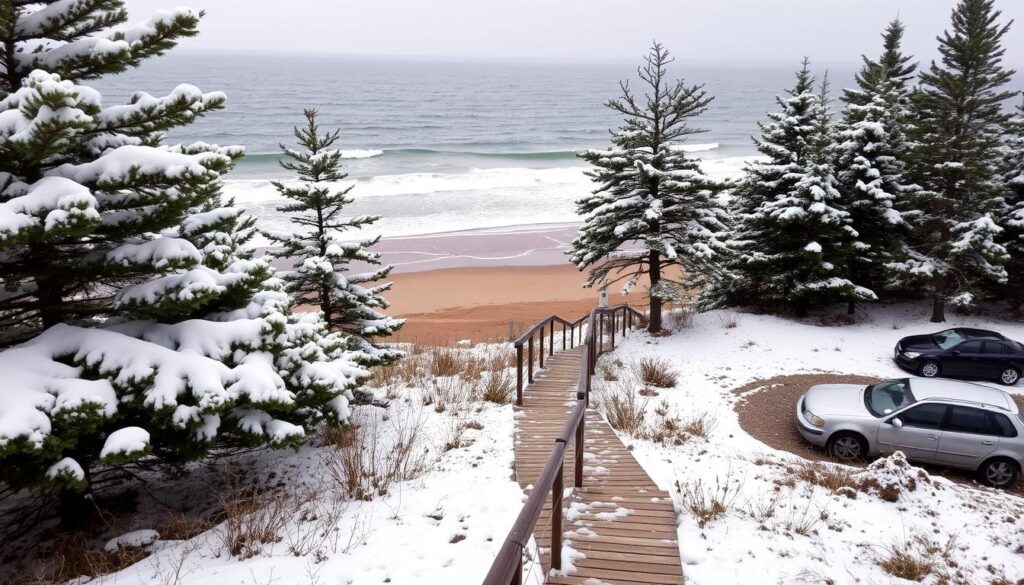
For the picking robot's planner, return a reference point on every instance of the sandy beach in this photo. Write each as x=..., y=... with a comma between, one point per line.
x=477, y=303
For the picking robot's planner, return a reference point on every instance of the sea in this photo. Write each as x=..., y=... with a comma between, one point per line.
x=435, y=145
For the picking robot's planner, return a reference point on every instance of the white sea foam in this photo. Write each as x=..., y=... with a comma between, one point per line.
x=479, y=198
x=361, y=153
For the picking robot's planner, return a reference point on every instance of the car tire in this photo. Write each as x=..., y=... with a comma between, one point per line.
x=999, y=472
x=847, y=447
x=929, y=369
x=1009, y=377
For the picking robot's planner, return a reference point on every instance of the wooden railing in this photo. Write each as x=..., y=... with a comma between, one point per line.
x=507, y=568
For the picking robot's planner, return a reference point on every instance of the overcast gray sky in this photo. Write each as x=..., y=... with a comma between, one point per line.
x=740, y=31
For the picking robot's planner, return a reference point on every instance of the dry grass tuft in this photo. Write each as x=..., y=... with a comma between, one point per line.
x=656, y=372
x=626, y=411
x=708, y=503
x=837, y=479
x=497, y=386
x=365, y=465
x=75, y=557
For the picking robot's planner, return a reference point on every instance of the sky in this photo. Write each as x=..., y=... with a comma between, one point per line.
x=730, y=31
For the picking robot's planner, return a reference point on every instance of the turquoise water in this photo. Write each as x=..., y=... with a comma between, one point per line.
x=440, y=146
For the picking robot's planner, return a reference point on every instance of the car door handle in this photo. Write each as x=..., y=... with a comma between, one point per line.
x=988, y=442
x=932, y=437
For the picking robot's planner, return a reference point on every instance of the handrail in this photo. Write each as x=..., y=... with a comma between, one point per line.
x=507, y=568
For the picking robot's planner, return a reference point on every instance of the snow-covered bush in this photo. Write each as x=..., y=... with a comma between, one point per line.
x=138, y=325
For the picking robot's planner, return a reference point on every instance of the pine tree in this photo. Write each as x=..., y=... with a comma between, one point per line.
x=1013, y=220
x=871, y=168
x=320, y=254
x=954, y=252
x=654, y=209
x=149, y=331
x=793, y=239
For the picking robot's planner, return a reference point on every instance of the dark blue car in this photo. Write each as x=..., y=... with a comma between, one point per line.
x=962, y=352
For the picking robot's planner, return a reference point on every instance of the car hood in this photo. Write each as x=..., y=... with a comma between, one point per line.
x=836, y=399
x=918, y=343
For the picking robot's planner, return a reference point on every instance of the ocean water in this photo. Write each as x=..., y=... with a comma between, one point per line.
x=438, y=146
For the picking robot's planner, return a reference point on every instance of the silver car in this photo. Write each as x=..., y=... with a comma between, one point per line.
x=942, y=422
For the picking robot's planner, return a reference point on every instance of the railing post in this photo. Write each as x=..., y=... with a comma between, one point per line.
x=551, y=339
x=556, y=521
x=612, y=329
x=580, y=434
x=530, y=361
x=564, y=327
x=625, y=312
x=519, y=375
x=542, y=347
x=517, y=578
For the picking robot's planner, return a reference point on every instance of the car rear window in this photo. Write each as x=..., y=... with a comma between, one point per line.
x=1003, y=425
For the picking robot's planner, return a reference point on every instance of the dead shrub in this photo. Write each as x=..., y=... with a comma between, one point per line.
x=74, y=557
x=681, y=318
x=255, y=514
x=916, y=558
x=608, y=373
x=701, y=424
x=497, y=387
x=728, y=320
x=365, y=465
x=626, y=411
x=446, y=361
x=708, y=503
x=836, y=479
x=181, y=526
x=656, y=372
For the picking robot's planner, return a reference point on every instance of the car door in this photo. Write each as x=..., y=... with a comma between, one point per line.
x=962, y=360
x=968, y=436
x=995, y=359
x=919, y=437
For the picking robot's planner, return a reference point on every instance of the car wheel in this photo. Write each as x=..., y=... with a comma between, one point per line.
x=929, y=369
x=999, y=473
x=847, y=447
x=1009, y=376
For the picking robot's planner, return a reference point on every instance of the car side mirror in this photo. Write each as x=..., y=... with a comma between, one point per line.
x=896, y=422
x=956, y=352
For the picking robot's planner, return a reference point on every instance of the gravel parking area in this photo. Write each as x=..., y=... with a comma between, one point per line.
x=765, y=410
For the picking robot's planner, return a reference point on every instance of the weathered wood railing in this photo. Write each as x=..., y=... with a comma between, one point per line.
x=507, y=568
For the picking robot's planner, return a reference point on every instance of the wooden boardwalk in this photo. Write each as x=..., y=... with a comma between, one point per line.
x=620, y=522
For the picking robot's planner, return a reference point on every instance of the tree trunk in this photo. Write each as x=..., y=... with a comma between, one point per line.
x=938, y=309
x=851, y=308
x=654, y=326
x=939, y=300
x=73, y=509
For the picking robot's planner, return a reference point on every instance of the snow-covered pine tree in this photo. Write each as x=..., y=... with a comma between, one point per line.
x=793, y=240
x=150, y=331
x=654, y=209
x=1013, y=220
x=955, y=250
x=873, y=147
x=350, y=302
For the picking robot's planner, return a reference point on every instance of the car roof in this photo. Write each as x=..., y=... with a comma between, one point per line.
x=973, y=333
x=936, y=389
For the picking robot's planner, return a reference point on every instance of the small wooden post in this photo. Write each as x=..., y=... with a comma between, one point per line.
x=625, y=312
x=511, y=331
x=612, y=329
x=556, y=520
x=519, y=375
x=564, y=328
x=551, y=339
x=530, y=361
x=542, y=347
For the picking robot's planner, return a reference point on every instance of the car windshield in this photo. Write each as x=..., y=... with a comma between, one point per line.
x=887, y=397
x=948, y=338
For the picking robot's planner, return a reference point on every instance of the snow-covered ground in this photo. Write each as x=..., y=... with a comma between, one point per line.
x=776, y=527
x=445, y=525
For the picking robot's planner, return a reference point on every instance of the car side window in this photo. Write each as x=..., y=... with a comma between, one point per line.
x=964, y=419
x=996, y=347
x=925, y=416
x=969, y=347
x=1003, y=425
